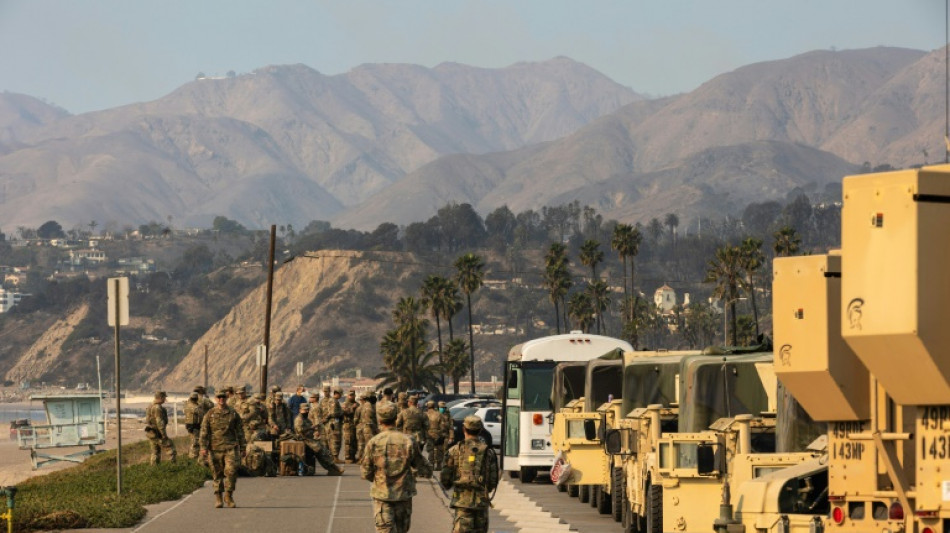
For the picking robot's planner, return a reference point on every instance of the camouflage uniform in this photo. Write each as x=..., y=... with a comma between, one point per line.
x=391, y=461
x=253, y=418
x=435, y=442
x=448, y=429
x=349, y=427
x=472, y=470
x=411, y=421
x=156, y=421
x=279, y=415
x=192, y=410
x=332, y=417
x=366, y=427
x=402, y=402
x=308, y=433
x=222, y=437
x=232, y=396
x=270, y=395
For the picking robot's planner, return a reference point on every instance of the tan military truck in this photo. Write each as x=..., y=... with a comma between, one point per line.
x=576, y=436
x=895, y=254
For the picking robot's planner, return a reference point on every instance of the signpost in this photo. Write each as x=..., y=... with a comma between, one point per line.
x=118, y=290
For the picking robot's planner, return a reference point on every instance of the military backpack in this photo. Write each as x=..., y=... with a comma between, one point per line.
x=473, y=462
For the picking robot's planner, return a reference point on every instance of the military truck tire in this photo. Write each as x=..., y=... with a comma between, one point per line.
x=616, y=494
x=604, y=502
x=513, y=474
x=573, y=491
x=528, y=474
x=584, y=493
x=562, y=487
x=654, y=509
x=594, y=492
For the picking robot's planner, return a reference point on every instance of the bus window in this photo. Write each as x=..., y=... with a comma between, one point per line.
x=537, y=387
x=514, y=379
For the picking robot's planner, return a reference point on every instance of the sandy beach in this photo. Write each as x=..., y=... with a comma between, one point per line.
x=15, y=464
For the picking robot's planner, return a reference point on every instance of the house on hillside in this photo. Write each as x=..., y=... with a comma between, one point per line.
x=665, y=299
x=9, y=299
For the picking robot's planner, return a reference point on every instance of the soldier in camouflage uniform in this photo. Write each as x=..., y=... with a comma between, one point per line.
x=435, y=444
x=448, y=429
x=366, y=422
x=253, y=418
x=472, y=470
x=411, y=421
x=222, y=439
x=309, y=434
x=192, y=409
x=332, y=414
x=241, y=399
x=391, y=462
x=402, y=402
x=232, y=395
x=270, y=395
x=279, y=415
x=156, y=422
x=316, y=419
x=349, y=427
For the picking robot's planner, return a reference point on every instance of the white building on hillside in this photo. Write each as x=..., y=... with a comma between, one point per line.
x=665, y=298
x=9, y=299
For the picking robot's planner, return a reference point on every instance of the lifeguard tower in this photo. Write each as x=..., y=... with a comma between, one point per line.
x=71, y=420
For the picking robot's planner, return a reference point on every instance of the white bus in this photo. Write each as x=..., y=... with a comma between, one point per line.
x=527, y=417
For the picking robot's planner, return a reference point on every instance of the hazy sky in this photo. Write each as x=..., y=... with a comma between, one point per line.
x=93, y=54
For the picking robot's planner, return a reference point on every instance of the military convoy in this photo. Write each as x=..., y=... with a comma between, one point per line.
x=843, y=424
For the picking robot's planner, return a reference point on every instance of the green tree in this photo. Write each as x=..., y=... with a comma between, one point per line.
x=591, y=255
x=50, y=230
x=456, y=362
x=404, y=348
x=751, y=261
x=581, y=310
x=600, y=300
x=787, y=241
x=471, y=273
x=725, y=270
x=440, y=297
x=557, y=279
x=626, y=241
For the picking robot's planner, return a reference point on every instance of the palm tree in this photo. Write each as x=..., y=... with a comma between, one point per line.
x=751, y=260
x=626, y=240
x=557, y=279
x=787, y=241
x=470, y=277
x=406, y=344
x=600, y=300
x=456, y=361
x=581, y=309
x=591, y=255
x=724, y=270
x=435, y=291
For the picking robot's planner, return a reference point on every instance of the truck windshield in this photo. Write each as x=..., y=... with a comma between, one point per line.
x=567, y=384
x=537, y=387
x=645, y=384
x=722, y=391
x=605, y=381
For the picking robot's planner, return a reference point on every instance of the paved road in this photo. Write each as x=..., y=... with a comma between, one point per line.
x=310, y=503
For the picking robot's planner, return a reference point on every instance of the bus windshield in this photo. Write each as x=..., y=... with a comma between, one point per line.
x=536, y=395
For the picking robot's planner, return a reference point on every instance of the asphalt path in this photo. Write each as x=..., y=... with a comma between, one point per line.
x=332, y=504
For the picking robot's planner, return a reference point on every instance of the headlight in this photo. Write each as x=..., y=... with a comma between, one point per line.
x=537, y=444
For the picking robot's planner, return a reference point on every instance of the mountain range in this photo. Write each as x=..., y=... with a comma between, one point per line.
x=394, y=142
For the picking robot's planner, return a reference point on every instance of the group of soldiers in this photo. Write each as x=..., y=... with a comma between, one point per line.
x=385, y=436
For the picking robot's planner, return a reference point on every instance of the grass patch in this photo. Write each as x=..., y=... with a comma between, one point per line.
x=85, y=496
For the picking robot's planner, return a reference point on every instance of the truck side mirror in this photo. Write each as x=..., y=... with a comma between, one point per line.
x=590, y=429
x=613, y=441
x=705, y=460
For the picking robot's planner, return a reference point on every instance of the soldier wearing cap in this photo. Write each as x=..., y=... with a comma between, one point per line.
x=253, y=418
x=309, y=434
x=402, y=402
x=279, y=415
x=192, y=409
x=270, y=395
x=391, y=461
x=241, y=393
x=448, y=429
x=222, y=440
x=366, y=427
x=411, y=421
x=471, y=469
x=156, y=422
x=435, y=444
x=349, y=427
x=232, y=395
x=333, y=422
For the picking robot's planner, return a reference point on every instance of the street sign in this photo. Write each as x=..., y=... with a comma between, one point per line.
x=261, y=355
x=118, y=290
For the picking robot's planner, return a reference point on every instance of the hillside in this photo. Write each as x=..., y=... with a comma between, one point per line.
x=284, y=144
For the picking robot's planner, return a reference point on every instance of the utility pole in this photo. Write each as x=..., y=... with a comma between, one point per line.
x=206, y=368
x=270, y=293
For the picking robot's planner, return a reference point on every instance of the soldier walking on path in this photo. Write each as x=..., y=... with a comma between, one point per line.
x=391, y=461
x=471, y=469
x=349, y=427
x=366, y=427
x=222, y=438
x=448, y=430
x=434, y=441
x=156, y=422
x=308, y=433
x=412, y=422
x=192, y=410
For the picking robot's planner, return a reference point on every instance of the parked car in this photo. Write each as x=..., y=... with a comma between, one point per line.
x=471, y=402
x=491, y=420
x=21, y=425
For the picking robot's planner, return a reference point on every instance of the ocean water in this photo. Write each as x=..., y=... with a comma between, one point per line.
x=13, y=412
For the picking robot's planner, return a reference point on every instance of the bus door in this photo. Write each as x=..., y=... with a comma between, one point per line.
x=512, y=409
